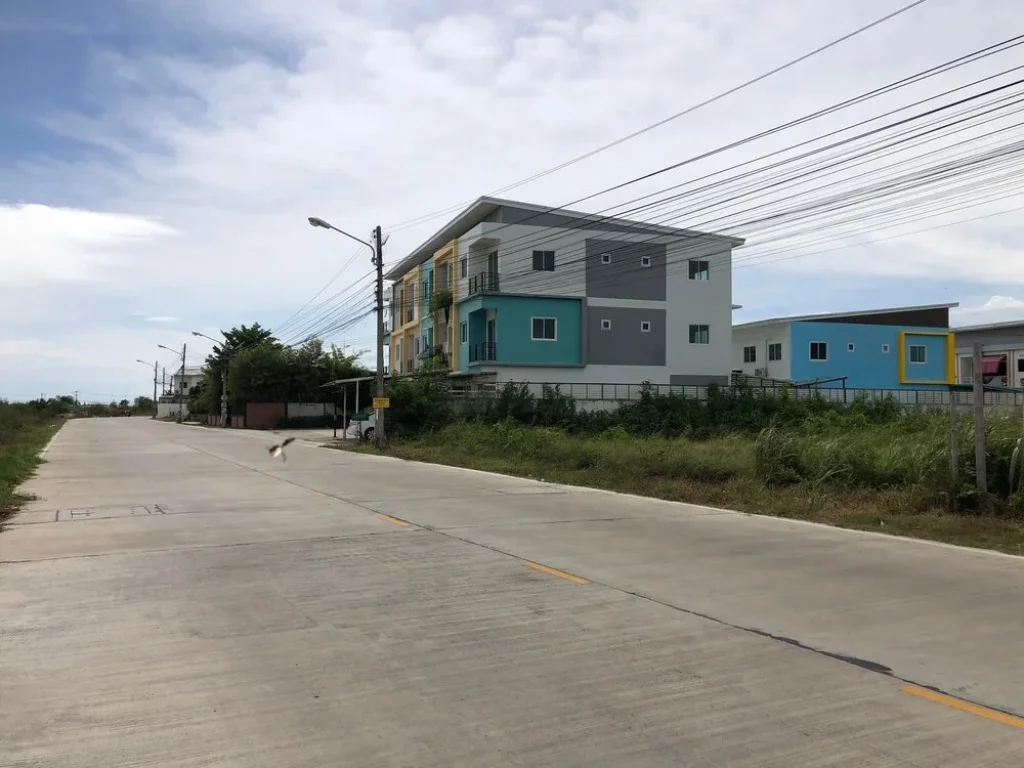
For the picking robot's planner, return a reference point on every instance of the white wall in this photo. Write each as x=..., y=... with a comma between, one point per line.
x=165, y=410
x=760, y=336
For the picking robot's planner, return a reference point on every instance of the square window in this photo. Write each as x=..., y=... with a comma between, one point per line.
x=775, y=351
x=700, y=334
x=850, y=347
x=543, y=329
x=645, y=326
x=645, y=261
x=700, y=269
x=606, y=325
x=463, y=332
x=544, y=261
x=750, y=354
x=606, y=258
x=819, y=351
x=918, y=353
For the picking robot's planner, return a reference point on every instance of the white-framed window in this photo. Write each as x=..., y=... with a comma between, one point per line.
x=775, y=351
x=463, y=332
x=885, y=349
x=700, y=334
x=464, y=267
x=543, y=261
x=750, y=354
x=918, y=353
x=851, y=347
x=606, y=258
x=543, y=329
x=645, y=326
x=606, y=325
x=645, y=261
x=818, y=351
x=700, y=269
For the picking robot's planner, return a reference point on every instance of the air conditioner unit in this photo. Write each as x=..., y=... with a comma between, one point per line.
x=760, y=371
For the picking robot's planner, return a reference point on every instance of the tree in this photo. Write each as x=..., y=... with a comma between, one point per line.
x=205, y=397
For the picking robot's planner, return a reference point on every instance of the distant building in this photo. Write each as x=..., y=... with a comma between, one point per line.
x=182, y=384
x=896, y=348
x=1003, y=360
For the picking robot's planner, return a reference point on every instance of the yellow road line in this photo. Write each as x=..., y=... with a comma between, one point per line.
x=964, y=706
x=395, y=521
x=559, y=574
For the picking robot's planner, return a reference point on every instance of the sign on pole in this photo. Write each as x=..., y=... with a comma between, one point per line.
x=382, y=402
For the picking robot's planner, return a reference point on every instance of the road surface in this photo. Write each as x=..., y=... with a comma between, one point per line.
x=177, y=598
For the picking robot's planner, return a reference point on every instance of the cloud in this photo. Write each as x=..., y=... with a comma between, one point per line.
x=161, y=319
x=210, y=145
x=997, y=309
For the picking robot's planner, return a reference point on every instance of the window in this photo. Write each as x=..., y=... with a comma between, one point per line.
x=417, y=345
x=645, y=326
x=885, y=349
x=750, y=354
x=699, y=270
x=775, y=351
x=1020, y=365
x=700, y=334
x=606, y=325
x=850, y=347
x=819, y=350
x=463, y=332
x=463, y=266
x=544, y=329
x=544, y=261
x=606, y=258
x=918, y=353
x=645, y=261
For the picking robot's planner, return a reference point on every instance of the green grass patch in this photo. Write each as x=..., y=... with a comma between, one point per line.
x=847, y=470
x=24, y=432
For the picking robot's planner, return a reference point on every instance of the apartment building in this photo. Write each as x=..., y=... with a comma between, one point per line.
x=527, y=293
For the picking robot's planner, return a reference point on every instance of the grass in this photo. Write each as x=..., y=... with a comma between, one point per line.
x=24, y=432
x=834, y=469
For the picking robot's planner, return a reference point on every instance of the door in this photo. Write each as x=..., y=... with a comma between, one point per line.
x=490, y=348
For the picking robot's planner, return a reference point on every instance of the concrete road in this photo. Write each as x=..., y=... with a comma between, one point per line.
x=177, y=598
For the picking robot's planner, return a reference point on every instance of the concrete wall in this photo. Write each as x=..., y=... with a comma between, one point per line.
x=761, y=337
x=513, y=319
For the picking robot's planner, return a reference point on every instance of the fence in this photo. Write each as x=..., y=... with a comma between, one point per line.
x=267, y=415
x=593, y=396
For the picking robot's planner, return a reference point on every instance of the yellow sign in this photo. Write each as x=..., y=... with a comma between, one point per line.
x=382, y=402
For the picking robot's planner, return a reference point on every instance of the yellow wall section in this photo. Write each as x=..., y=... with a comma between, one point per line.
x=448, y=254
x=950, y=348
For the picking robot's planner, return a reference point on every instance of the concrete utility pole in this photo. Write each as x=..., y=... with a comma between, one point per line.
x=226, y=355
x=181, y=382
x=981, y=474
x=378, y=260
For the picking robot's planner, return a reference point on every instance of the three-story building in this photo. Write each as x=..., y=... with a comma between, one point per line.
x=529, y=293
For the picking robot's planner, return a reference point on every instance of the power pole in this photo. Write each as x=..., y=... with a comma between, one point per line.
x=156, y=366
x=378, y=260
x=224, y=390
x=181, y=384
x=163, y=381
x=979, y=422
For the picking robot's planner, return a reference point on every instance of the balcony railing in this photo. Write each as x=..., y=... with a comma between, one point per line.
x=485, y=282
x=485, y=352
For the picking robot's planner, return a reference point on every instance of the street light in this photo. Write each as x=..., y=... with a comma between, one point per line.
x=223, y=376
x=378, y=261
x=181, y=382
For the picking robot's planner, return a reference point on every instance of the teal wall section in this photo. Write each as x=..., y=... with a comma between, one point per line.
x=513, y=317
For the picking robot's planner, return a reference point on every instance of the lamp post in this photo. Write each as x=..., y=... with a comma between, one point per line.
x=155, y=366
x=377, y=248
x=181, y=381
x=223, y=376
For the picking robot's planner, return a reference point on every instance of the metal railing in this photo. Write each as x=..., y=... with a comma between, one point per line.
x=485, y=282
x=484, y=352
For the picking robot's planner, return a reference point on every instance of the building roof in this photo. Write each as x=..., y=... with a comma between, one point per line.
x=484, y=206
x=989, y=326
x=191, y=370
x=835, y=315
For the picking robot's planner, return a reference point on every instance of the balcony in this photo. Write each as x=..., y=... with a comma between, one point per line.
x=485, y=282
x=485, y=352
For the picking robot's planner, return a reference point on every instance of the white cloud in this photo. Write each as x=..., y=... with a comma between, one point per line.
x=997, y=309
x=161, y=319
x=368, y=113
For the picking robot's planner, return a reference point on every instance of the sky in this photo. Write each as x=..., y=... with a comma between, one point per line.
x=159, y=158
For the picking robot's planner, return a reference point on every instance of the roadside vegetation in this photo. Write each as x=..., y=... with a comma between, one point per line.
x=871, y=465
x=25, y=428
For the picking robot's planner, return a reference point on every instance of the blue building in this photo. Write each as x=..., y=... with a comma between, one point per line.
x=898, y=348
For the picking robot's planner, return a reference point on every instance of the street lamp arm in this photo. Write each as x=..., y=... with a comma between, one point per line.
x=315, y=221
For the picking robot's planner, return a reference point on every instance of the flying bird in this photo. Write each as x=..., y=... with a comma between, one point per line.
x=278, y=450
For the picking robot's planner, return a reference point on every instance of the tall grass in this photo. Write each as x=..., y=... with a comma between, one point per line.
x=24, y=430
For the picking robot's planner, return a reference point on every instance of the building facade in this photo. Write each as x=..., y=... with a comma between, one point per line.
x=1002, y=353
x=899, y=348
x=521, y=292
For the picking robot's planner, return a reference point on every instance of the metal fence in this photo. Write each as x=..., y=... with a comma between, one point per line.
x=612, y=394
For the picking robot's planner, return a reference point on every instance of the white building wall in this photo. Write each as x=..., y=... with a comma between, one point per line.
x=760, y=336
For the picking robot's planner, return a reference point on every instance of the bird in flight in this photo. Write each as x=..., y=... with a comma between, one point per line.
x=278, y=450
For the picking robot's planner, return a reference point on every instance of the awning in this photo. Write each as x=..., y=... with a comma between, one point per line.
x=990, y=364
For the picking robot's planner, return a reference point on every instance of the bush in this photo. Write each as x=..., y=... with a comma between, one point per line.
x=24, y=430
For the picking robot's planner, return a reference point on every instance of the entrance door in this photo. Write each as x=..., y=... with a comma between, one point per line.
x=490, y=348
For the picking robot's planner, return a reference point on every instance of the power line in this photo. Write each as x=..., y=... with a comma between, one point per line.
x=676, y=116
